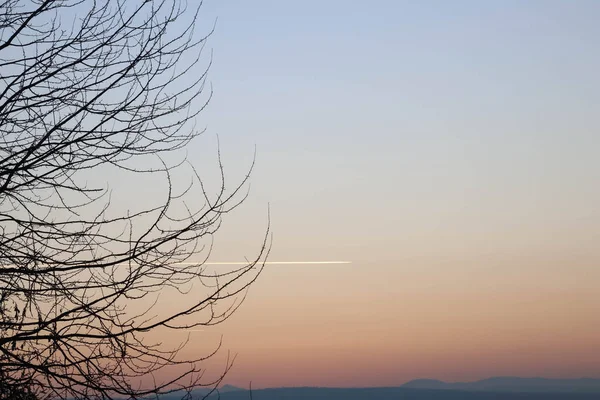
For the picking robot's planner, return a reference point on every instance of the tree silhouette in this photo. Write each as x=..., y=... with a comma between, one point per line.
x=90, y=88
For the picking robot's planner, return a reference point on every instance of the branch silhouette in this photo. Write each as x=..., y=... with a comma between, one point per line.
x=86, y=88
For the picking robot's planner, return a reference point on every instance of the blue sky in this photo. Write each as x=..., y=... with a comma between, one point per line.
x=408, y=109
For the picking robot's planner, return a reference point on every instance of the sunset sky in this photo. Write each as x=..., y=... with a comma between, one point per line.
x=449, y=150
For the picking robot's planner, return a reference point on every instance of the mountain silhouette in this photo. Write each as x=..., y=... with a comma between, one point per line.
x=513, y=384
x=397, y=393
x=496, y=388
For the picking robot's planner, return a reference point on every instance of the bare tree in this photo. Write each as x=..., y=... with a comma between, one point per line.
x=91, y=87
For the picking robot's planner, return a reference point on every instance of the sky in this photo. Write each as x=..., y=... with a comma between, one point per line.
x=448, y=150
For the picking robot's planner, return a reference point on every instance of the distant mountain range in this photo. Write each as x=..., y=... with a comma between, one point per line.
x=398, y=393
x=513, y=384
x=497, y=388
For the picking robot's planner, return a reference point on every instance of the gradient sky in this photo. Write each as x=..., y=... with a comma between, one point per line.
x=450, y=150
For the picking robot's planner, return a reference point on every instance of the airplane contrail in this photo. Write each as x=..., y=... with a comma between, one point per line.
x=281, y=262
x=267, y=262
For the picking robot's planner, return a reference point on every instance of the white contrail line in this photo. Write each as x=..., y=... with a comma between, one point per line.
x=270, y=262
